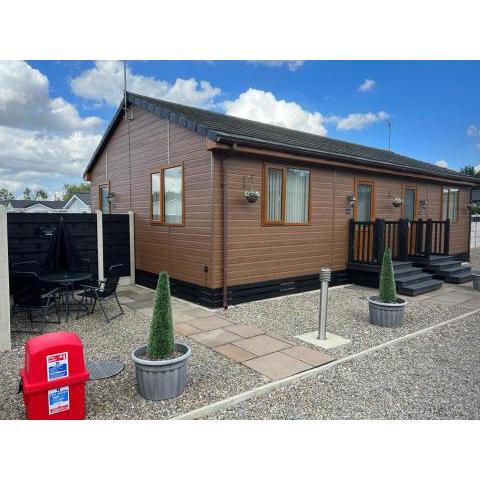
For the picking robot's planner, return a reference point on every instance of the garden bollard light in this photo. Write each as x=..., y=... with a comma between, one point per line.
x=325, y=277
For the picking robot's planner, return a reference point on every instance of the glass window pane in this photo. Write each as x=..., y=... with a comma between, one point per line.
x=156, y=196
x=173, y=195
x=104, y=200
x=296, y=197
x=409, y=204
x=445, y=204
x=274, y=195
x=453, y=204
x=364, y=202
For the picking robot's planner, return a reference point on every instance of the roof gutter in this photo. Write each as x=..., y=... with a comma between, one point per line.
x=233, y=141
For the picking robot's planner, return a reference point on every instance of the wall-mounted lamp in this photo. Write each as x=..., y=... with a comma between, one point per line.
x=423, y=205
x=110, y=196
x=351, y=200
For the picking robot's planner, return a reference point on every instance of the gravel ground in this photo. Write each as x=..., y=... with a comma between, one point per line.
x=211, y=376
x=435, y=375
x=347, y=316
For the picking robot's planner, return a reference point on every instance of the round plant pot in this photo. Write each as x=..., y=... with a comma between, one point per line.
x=476, y=280
x=252, y=198
x=161, y=379
x=386, y=314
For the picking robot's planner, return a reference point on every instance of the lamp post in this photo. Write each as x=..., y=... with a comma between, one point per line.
x=325, y=277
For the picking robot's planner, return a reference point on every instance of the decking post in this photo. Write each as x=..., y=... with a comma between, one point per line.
x=131, y=230
x=428, y=237
x=403, y=239
x=100, y=244
x=5, y=339
x=446, y=240
x=379, y=245
x=419, y=238
x=351, y=239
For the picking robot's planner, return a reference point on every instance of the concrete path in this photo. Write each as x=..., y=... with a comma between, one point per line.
x=275, y=358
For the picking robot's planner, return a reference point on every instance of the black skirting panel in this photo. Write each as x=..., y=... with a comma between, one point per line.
x=213, y=297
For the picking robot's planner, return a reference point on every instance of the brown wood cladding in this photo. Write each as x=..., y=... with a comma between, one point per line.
x=183, y=251
x=256, y=252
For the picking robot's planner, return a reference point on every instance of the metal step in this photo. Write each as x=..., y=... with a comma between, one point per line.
x=421, y=287
x=412, y=279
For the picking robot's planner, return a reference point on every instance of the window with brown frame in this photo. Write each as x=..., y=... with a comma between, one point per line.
x=103, y=201
x=166, y=196
x=287, y=196
x=450, y=204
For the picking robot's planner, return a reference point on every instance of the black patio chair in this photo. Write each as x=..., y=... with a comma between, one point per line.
x=27, y=266
x=103, y=291
x=30, y=299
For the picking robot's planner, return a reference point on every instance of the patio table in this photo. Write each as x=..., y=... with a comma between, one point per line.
x=65, y=280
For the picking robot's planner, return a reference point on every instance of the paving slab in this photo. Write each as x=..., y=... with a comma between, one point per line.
x=235, y=353
x=210, y=323
x=261, y=345
x=214, y=338
x=277, y=365
x=124, y=300
x=307, y=355
x=199, y=312
x=245, y=331
x=332, y=340
x=185, y=329
x=148, y=311
x=180, y=317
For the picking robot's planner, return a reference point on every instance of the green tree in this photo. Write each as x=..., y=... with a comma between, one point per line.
x=27, y=194
x=161, y=340
x=470, y=170
x=387, y=290
x=71, y=188
x=6, y=194
x=41, y=194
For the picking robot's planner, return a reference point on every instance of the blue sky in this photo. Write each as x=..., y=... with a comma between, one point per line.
x=433, y=107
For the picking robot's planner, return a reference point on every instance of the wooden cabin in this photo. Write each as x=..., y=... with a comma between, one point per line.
x=321, y=202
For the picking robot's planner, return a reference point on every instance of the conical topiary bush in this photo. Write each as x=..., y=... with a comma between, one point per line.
x=161, y=340
x=387, y=289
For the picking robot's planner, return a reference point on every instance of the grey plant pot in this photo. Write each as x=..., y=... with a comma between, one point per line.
x=386, y=314
x=161, y=379
x=476, y=280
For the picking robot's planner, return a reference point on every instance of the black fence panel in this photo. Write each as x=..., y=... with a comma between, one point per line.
x=116, y=242
x=30, y=234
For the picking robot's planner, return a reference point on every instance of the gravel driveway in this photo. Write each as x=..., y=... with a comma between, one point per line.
x=435, y=375
x=347, y=316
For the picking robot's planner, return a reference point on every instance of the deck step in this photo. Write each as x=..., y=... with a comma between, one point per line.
x=412, y=279
x=462, y=277
x=421, y=287
x=440, y=267
x=406, y=272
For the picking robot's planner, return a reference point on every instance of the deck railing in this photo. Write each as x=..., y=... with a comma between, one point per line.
x=418, y=238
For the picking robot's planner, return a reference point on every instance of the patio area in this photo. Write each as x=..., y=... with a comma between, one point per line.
x=234, y=351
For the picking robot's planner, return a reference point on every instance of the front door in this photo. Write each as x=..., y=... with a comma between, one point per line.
x=364, y=212
x=409, y=214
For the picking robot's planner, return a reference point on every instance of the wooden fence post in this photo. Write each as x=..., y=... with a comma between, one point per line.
x=446, y=240
x=351, y=239
x=100, y=244
x=428, y=237
x=5, y=339
x=419, y=238
x=403, y=239
x=131, y=231
x=379, y=242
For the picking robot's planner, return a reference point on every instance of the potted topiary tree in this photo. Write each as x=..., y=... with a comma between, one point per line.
x=161, y=366
x=386, y=309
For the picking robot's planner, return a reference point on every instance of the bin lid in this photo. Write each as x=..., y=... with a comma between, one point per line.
x=53, y=355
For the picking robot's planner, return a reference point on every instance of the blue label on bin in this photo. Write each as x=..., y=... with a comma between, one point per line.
x=57, y=366
x=58, y=400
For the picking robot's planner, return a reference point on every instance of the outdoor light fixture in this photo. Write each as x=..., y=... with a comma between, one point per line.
x=110, y=196
x=351, y=200
x=396, y=202
x=423, y=204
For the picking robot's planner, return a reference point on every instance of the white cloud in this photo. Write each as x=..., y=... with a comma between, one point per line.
x=292, y=65
x=104, y=83
x=367, y=85
x=441, y=163
x=25, y=102
x=264, y=107
x=43, y=140
x=358, y=121
x=473, y=130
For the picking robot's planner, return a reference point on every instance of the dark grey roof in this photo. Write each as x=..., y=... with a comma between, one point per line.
x=84, y=197
x=228, y=129
x=475, y=195
x=55, y=204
